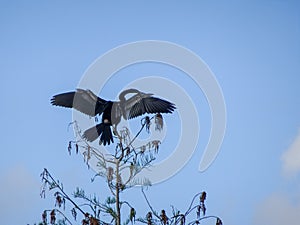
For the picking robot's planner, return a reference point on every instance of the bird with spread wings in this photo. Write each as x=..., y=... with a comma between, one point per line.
x=112, y=112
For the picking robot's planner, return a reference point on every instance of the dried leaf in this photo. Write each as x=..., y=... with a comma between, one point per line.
x=52, y=217
x=149, y=218
x=147, y=123
x=44, y=217
x=203, y=197
x=132, y=214
x=219, y=221
x=163, y=217
x=70, y=147
x=74, y=213
x=76, y=148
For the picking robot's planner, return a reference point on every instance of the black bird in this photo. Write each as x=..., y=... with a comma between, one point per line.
x=90, y=104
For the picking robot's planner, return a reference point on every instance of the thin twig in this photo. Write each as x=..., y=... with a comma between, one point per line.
x=62, y=191
x=192, y=202
x=149, y=204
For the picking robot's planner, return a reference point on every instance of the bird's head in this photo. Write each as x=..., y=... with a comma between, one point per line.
x=137, y=94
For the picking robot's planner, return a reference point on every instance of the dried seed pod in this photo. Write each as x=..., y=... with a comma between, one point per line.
x=110, y=174
x=159, y=122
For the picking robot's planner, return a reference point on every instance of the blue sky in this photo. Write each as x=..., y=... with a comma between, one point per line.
x=252, y=48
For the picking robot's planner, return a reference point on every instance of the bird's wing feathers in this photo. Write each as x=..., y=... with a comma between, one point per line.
x=150, y=105
x=84, y=101
x=64, y=100
x=88, y=103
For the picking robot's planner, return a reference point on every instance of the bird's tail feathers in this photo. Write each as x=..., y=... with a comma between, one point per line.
x=103, y=130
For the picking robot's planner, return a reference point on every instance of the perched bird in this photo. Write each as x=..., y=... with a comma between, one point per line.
x=112, y=112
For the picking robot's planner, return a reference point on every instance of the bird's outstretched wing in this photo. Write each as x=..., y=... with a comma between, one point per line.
x=84, y=101
x=150, y=105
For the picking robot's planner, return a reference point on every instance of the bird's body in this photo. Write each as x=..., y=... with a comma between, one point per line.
x=88, y=103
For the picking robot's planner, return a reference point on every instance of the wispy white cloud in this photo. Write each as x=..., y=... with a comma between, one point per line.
x=282, y=208
x=19, y=196
x=277, y=210
x=291, y=158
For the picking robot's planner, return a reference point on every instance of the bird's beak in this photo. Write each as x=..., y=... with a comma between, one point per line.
x=147, y=94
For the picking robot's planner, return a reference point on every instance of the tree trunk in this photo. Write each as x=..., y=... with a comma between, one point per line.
x=118, y=185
